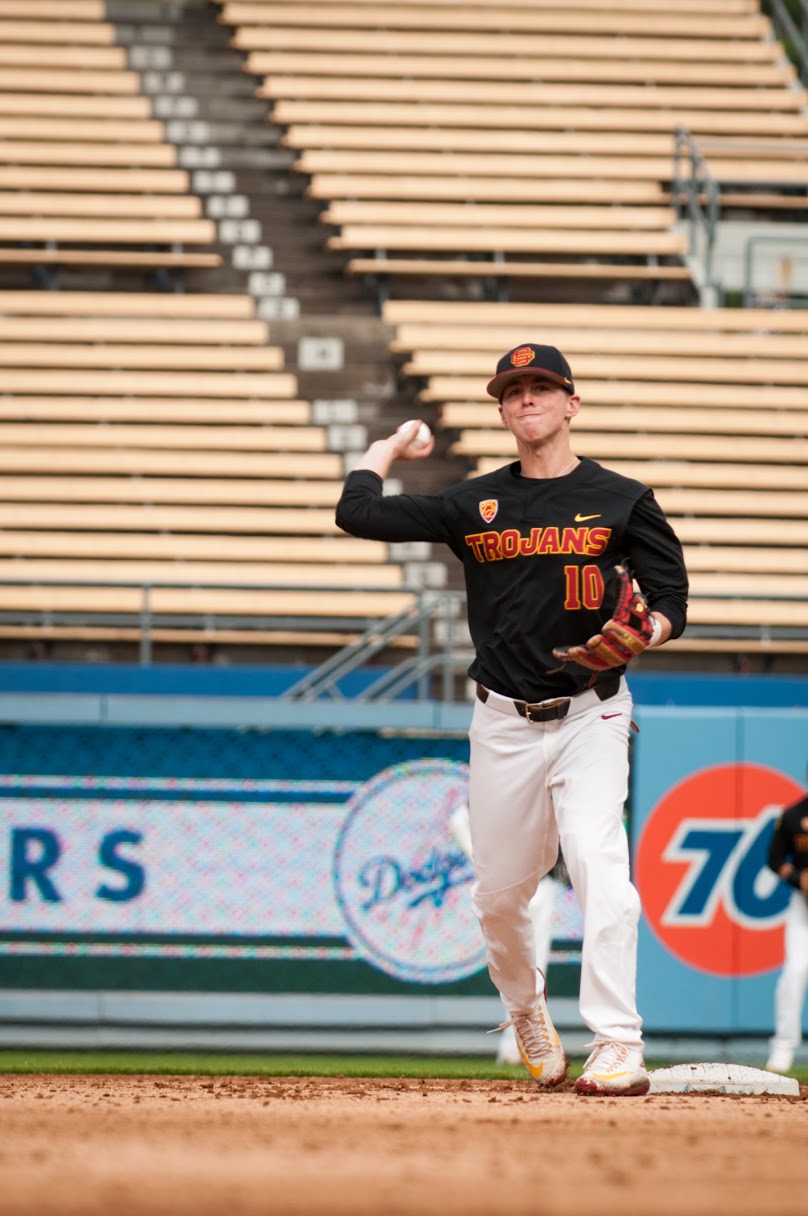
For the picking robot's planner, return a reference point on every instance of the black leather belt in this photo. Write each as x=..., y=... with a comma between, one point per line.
x=555, y=710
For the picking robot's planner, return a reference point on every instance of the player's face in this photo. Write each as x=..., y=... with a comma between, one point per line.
x=535, y=409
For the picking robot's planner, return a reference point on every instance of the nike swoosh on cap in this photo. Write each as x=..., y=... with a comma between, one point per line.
x=581, y=519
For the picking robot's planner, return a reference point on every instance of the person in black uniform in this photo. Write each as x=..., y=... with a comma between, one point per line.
x=788, y=857
x=545, y=544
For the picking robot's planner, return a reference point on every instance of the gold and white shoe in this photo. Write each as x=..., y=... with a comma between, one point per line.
x=538, y=1044
x=613, y=1070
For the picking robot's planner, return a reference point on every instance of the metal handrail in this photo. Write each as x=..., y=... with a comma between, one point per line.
x=436, y=670
x=788, y=33
x=692, y=183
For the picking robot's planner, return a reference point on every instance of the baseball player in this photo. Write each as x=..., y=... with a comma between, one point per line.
x=788, y=857
x=541, y=908
x=547, y=544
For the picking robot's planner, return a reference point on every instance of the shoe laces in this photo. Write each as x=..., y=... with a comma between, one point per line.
x=608, y=1057
x=532, y=1030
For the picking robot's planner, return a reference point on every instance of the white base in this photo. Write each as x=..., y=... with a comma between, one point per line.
x=720, y=1078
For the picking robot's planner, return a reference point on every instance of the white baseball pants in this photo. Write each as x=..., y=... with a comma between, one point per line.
x=531, y=785
x=789, y=995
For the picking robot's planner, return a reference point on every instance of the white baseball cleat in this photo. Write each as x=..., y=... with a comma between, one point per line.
x=780, y=1059
x=538, y=1044
x=613, y=1069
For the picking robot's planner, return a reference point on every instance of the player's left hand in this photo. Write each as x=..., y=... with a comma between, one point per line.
x=627, y=634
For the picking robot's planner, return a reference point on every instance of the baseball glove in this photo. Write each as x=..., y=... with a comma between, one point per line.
x=622, y=638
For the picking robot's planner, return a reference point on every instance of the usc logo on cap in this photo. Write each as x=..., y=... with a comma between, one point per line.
x=522, y=356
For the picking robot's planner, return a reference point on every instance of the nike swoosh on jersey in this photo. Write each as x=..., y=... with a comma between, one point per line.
x=607, y=716
x=581, y=519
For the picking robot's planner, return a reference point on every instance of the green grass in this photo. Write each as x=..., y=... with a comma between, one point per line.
x=133, y=1063
x=199, y=1064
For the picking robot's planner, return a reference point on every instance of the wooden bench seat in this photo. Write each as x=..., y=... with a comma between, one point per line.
x=786, y=170
x=641, y=367
x=259, y=25
x=607, y=445
x=138, y=330
x=154, y=409
x=498, y=215
x=493, y=67
x=77, y=80
x=103, y=206
x=50, y=152
x=742, y=559
x=447, y=187
x=66, y=32
x=214, y=634
x=88, y=258
x=772, y=504
x=97, y=231
x=76, y=105
x=616, y=338
x=753, y=613
x=62, y=58
x=356, y=605
x=451, y=140
x=107, y=130
x=143, y=304
x=486, y=314
x=702, y=474
x=274, y=574
x=190, y=546
x=713, y=475
x=749, y=585
x=110, y=382
x=447, y=390
x=485, y=268
x=287, y=491
x=659, y=419
x=141, y=462
x=761, y=200
x=66, y=178
x=133, y=435
x=221, y=520
x=257, y=8
x=461, y=116
x=385, y=88
x=68, y=355
x=264, y=44
x=56, y=10
x=580, y=242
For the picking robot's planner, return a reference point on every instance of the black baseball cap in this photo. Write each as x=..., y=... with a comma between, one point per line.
x=543, y=360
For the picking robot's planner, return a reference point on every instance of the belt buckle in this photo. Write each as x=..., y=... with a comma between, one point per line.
x=547, y=711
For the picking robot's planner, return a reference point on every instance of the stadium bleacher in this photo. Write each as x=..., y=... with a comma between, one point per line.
x=156, y=436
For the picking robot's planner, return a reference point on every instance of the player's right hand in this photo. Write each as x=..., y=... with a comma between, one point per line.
x=408, y=445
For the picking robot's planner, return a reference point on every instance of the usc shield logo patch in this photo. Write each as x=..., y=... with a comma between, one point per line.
x=489, y=508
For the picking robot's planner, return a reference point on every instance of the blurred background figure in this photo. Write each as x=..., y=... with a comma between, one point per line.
x=542, y=910
x=788, y=857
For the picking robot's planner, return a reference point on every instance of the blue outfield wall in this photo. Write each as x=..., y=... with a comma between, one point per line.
x=172, y=830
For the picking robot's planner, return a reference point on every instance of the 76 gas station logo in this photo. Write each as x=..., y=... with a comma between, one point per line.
x=700, y=867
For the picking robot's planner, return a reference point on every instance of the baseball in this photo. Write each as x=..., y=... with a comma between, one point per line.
x=423, y=435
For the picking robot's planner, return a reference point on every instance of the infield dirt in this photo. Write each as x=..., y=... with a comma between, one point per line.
x=239, y=1146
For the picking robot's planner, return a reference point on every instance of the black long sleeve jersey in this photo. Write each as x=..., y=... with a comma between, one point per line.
x=790, y=841
x=538, y=557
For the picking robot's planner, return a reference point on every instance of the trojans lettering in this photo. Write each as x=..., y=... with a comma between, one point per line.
x=498, y=546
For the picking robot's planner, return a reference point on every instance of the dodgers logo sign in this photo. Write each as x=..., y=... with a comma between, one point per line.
x=701, y=870
x=402, y=883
